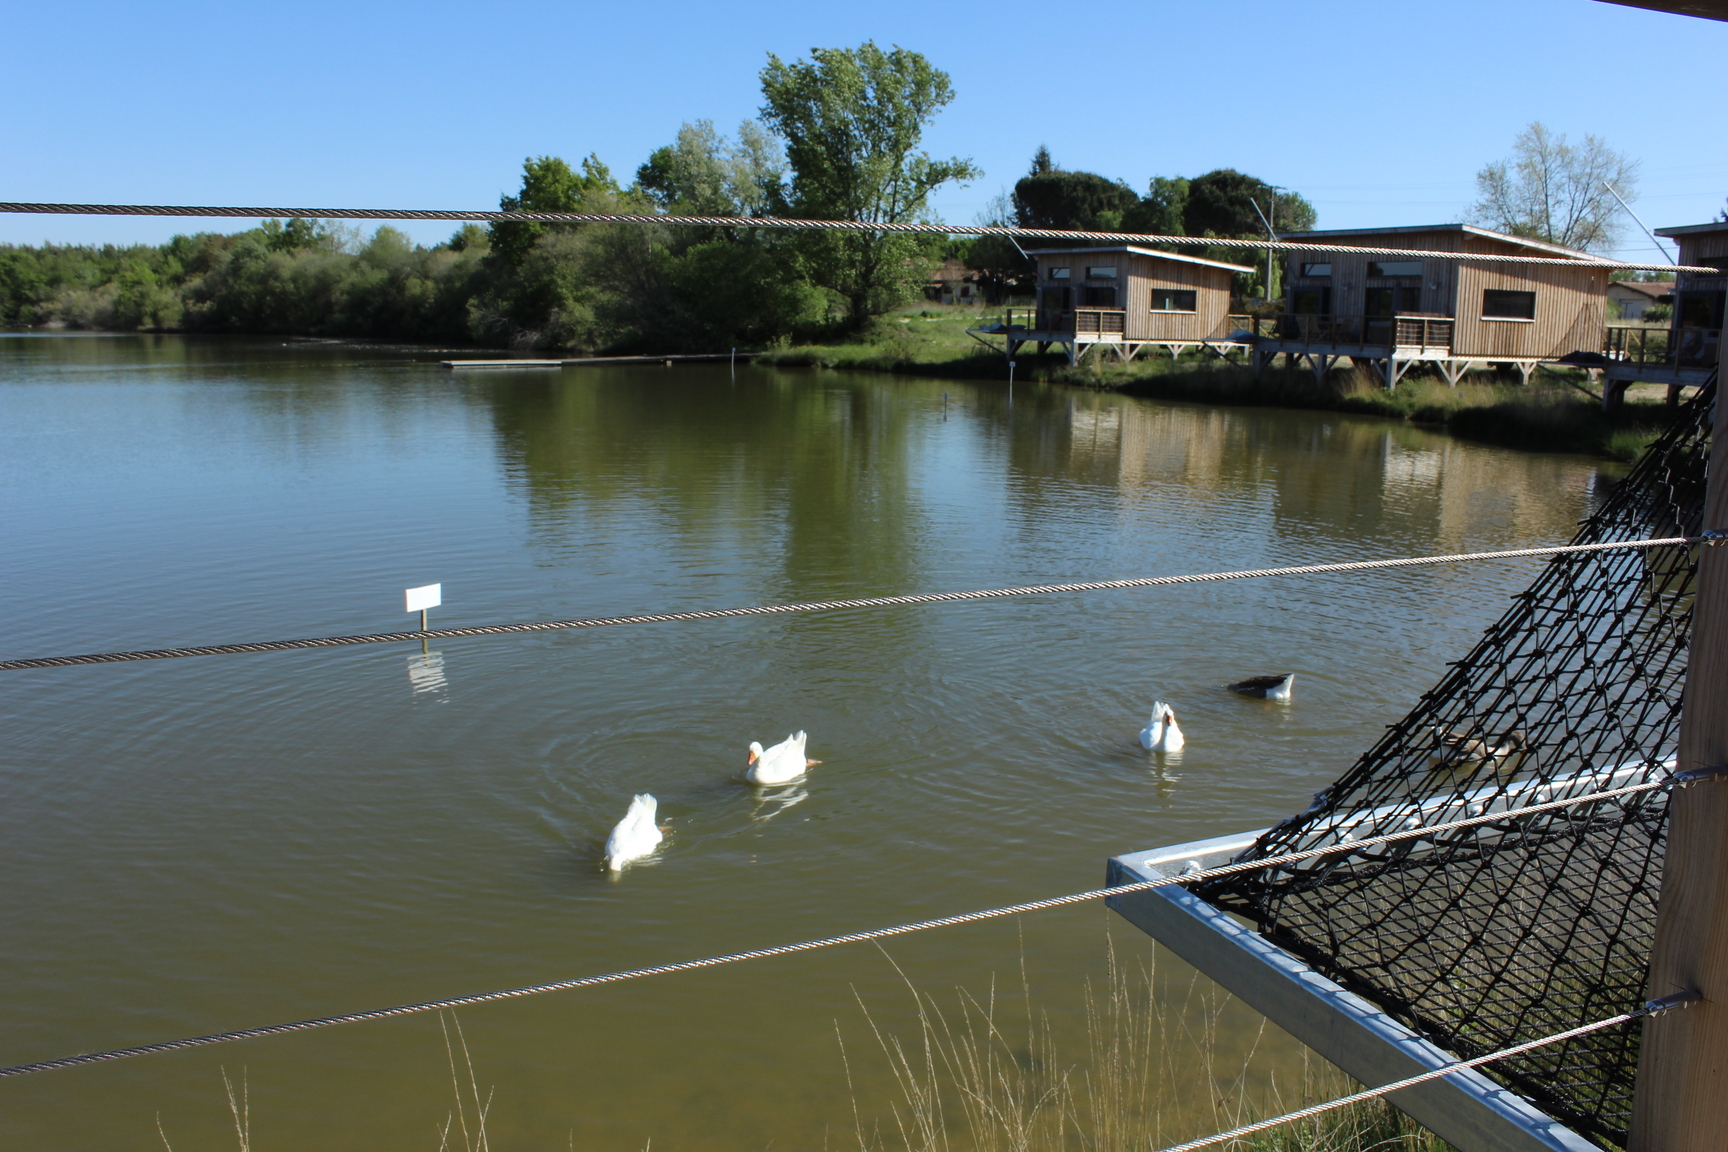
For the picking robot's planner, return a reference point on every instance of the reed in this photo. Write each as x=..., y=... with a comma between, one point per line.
x=984, y=1075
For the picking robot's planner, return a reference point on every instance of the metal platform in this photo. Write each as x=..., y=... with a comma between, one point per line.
x=1467, y=1109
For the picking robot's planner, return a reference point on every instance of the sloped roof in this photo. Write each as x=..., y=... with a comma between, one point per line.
x=1650, y=288
x=1694, y=229
x=1138, y=251
x=1467, y=229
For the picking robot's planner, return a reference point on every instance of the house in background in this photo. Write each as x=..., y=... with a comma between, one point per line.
x=1634, y=296
x=1124, y=298
x=1392, y=313
x=953, y=283
x=1687, y=353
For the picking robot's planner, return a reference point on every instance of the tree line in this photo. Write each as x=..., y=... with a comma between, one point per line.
x=838, y=137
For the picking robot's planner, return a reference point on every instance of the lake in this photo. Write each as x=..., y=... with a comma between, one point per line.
x=203, y=844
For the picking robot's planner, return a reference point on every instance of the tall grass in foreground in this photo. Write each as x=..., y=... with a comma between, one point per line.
x=984, y=1076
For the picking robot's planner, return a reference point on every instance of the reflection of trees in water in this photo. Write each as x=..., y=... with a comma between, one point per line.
x=812, y=479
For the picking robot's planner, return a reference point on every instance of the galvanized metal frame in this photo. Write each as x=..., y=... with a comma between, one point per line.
x=1466, y=1109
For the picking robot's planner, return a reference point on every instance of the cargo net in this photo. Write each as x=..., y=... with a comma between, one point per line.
x=1505, y=932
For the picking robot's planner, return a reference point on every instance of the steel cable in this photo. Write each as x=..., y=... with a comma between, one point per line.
x=1651, y=1008
x=826, y=225
x=1274, y=862
x=827, y=605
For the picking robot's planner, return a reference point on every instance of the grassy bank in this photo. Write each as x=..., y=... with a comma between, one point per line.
x=1551, y=415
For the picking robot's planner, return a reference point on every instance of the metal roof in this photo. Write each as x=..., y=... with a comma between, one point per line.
x=1138, y=251
x=1467, y=229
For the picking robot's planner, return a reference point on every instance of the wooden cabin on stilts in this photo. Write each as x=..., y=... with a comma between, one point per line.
x=1685, y=353
x=1123, y=299
x=1392, y=314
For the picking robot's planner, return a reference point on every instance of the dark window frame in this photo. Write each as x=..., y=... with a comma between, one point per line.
x=1508, y=304
x=1311, y=271
x=1405, y=269
x=1091, y=296
x=1061, y=273
x=1193, y=300
x=1101, y=272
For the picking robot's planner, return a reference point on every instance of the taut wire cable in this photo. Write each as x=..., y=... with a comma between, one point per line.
x=1272, y=862
x=834, y=605
x=1651, y=1008
x=823, y=225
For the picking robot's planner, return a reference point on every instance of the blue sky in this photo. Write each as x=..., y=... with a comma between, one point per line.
x=1381, y=113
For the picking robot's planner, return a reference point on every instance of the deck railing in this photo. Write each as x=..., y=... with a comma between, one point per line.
x=1653, y=344
x=1405, y=330
x=1100, y=321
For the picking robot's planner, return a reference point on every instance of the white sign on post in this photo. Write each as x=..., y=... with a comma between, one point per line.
x=428, y=596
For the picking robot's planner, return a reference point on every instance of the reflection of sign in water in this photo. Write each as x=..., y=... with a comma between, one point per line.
x=426, y=672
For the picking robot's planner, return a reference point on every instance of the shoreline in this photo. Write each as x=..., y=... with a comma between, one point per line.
x=1551, y=416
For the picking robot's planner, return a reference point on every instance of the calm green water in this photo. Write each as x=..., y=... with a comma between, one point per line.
x=196, y=845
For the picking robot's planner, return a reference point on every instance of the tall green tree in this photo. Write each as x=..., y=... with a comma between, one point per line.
x=1223, y=203
x=852, y=120
x=1049, y=197
x=1551, y=190
x=1160, y=211
x=548, y=185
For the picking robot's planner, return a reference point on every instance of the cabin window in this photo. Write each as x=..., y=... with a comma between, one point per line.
x=1311, y=301
x=1500, y=304
x=1395, y=268
x=1058, y=273
x=1105, y=273
x=1698, y=309
x=1720, y=263
x=1311, y=271
x=1174, y=300
x=1093, y=297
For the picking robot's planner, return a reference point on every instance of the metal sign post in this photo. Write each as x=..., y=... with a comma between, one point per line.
x=424, y=597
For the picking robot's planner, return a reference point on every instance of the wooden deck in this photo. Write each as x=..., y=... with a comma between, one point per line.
x=601, y=361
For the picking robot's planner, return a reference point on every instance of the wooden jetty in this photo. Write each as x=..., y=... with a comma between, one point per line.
x=601, y=361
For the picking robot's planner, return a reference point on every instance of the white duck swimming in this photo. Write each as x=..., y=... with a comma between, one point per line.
x=1161, y=733
x=1266, y=687
x=785, y=761
x=636, y=836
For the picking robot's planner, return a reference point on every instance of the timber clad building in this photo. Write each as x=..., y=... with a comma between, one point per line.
x=1686, y=354
x=1454, y=314
x=1125, y=298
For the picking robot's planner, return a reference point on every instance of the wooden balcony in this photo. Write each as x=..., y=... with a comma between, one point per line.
x=1410, y=335
x=1089, y=325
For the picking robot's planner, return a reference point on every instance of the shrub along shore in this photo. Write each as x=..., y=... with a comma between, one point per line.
x=1554, y=414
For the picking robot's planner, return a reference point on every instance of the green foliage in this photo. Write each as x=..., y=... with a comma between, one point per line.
x=548, y=185
x=1224, y=203
x=852, y=120
x=1049, y=197
x=1160, y=212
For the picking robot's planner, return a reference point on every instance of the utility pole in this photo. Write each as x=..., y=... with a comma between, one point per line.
x=1271, y=234
x=1681, y=1101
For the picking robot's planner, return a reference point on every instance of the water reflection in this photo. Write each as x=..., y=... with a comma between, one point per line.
x=426, y=673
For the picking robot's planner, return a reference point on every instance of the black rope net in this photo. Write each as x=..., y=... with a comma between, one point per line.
x=1504, y=932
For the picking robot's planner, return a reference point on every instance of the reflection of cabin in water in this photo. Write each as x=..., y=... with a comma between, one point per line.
x=1687, y=352
x=1125, y=298
x=1454, y=314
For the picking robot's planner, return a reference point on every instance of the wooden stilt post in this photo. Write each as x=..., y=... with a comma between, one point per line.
x=1681, y=1102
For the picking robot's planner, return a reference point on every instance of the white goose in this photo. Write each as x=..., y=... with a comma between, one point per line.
x=636, y=836
x=785, y=761
x=1161, y=733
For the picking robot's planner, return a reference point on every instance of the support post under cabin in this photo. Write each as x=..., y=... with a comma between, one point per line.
x=1681, y=1101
